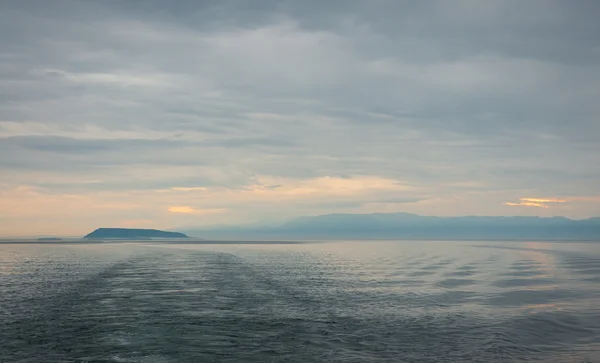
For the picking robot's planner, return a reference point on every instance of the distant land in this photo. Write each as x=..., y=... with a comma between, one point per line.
x=132, y=233
x=48, y=239
x=412, y=226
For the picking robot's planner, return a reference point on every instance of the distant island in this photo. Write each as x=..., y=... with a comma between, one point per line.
x=132, y=233
x=49, y=239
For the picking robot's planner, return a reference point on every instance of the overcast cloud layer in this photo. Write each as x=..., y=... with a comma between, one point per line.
x=189, y=113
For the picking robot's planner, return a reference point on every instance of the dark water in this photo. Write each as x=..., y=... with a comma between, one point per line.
x=314, y=302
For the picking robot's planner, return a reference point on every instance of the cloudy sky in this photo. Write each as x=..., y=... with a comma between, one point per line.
x=179, y=113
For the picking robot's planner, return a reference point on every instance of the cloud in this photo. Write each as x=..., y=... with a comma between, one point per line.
x=189, y=210
x=136, y=223
x=544, y=200
x=536, y=202
x=182, y=209
x=189, y=189
x=324, y=186
x=585, y=199
x=455, y=106
x=526, y=204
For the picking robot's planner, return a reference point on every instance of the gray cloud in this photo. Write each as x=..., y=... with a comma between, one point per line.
x=433, y=93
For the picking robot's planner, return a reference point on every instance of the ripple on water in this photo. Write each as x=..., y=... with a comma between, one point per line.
x=461, y=273
x=420, y=273
x=524, y=282
x=533, y=297
x=297, y=303
x=452, y=283
x=523, y=273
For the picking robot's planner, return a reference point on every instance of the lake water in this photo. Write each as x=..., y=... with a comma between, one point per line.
x=311, y=302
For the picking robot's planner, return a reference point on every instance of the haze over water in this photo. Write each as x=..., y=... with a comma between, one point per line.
x=308, y=302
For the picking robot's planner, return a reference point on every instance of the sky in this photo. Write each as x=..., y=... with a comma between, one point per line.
x=166, y=114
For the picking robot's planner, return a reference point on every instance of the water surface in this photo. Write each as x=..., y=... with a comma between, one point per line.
x=311, y=302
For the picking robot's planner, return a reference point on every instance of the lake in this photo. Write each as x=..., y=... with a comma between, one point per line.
x=368, y=301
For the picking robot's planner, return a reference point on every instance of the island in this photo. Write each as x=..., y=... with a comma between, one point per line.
x=132, y=234
x=49, y=239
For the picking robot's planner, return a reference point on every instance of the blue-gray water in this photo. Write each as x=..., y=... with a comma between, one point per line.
x=312, y=302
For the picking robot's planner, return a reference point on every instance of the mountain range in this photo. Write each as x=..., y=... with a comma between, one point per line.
x=412, y=226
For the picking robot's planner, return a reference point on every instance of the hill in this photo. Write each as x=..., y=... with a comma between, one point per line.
x=132, y=233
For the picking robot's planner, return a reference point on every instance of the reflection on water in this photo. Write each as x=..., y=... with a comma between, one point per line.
x=313, y=302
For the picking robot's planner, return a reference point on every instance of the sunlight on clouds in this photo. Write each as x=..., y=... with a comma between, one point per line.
x=324, y=186
x=535, y=202
x=181, y=209
x=37, y=209
x=527, y=204
x=543, y=200
x=189, y=210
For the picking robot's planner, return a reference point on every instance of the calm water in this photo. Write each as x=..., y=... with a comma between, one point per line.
x=313, y=302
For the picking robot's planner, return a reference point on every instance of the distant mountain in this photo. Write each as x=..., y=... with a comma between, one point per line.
x=131, y=233
x=412, y=226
